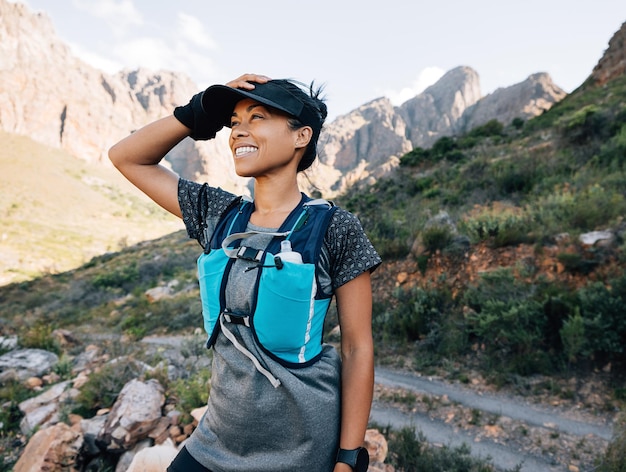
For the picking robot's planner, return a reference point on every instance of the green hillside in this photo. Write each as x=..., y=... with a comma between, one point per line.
x=484, y=275
x=503, y=284
x=57, y=212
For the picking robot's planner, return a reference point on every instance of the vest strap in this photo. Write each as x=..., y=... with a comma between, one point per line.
x=231, y=337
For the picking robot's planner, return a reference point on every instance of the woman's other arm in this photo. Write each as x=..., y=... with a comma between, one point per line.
x=354, y=304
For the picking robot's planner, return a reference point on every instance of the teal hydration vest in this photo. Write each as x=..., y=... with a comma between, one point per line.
x=289, y=307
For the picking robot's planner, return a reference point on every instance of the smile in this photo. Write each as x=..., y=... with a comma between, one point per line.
x=244, y=150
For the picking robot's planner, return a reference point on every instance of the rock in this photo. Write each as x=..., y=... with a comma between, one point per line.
x=595, y=237
x=126, y=459
x=91, y=429
x=52, y=449
x=136, y=411
x=198, y=413
x=43, y=409
x=154, y=459
x=376, y=445
x=34, y=383
x=25, y=363
x=613, y=62
x=65, y=338
x=158, y=293
x=401, y=278
x=8, y=343
x=85, y=359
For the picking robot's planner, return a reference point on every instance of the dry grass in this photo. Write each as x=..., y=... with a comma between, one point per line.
x=57, y=211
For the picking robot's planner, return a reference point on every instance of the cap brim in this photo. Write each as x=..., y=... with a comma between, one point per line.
x=218, y=101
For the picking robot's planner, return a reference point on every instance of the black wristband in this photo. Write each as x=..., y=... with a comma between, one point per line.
x=357, y=458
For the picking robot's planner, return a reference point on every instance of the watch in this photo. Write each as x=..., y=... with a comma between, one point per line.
x=358, y=458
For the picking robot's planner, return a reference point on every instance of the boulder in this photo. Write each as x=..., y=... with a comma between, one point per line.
x=43, y=409
x=24, y=363
x=154, y=459
x=135, y=413
x=52, y=449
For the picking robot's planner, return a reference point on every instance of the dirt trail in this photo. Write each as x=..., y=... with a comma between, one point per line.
x=509, y=430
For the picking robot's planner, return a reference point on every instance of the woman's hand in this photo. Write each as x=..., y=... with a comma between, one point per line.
x=244, y=81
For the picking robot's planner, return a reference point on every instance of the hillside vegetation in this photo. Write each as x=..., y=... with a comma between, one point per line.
x=57, y=211
x=484, y=270
x=486, y=230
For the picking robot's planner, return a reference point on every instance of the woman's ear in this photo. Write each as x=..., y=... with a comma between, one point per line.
x=303, y=137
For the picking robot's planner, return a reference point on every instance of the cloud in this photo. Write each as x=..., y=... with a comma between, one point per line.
x=425, y=79
x=119, y=15
x=192, y=30
x=96, y=60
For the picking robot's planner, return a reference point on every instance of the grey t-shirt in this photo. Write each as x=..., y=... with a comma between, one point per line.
x=250, y=425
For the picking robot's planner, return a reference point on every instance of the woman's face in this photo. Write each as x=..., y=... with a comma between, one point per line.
x=261, y=141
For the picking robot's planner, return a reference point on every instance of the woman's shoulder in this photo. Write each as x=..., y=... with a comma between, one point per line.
x=343, y=220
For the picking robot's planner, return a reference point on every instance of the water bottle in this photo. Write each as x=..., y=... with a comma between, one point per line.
x=287, y=254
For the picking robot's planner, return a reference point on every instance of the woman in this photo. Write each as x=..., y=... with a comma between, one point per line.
x=280, y=400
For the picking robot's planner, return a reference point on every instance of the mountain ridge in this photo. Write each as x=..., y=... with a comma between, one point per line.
x=85, y=111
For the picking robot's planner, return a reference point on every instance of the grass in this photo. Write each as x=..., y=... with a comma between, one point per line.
x=57, y=211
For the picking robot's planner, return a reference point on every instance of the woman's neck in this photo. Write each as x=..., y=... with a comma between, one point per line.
x=273, y=201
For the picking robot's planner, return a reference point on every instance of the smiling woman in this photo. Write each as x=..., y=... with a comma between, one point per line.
x=281, y=399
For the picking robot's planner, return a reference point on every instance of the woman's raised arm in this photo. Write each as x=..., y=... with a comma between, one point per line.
x=138, y=158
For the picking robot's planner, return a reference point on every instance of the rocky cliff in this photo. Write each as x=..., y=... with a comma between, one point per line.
x=55, y=98
x=613, y=62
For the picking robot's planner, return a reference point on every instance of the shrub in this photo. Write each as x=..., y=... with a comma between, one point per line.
x=416, y=314
x=602, y=308
x=498, y=223
x=613, y=460
x=103, y=386
x=191, y=392
x=414, y=157
x=120, y=277
x=39, y=336
x=573, y=337
x=437, y=237
x=410, y=451
x=584, y=125
x=509, y=321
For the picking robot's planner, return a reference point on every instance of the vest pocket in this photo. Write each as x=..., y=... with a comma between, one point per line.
x=210, y=272
x=283, y=318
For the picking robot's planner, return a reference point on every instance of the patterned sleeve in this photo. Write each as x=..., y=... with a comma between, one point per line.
x=216, y=201
x=351, y=252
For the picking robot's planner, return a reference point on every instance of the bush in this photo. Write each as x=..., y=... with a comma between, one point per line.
x=192, y=392
x=509, y=322
x=39, y=336
x=104, y=385
x=411, y=452
x=417, y=314
x=613, y=460
x=437, y=237
x=602, y=308
x=498, y=223
x=573, y=337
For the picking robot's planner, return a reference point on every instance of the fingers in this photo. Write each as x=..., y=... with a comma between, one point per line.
x=246, y=81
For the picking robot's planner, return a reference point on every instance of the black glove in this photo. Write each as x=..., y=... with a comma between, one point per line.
x=193, y=117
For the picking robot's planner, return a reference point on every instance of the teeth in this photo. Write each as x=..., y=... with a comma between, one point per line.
x=244, y=150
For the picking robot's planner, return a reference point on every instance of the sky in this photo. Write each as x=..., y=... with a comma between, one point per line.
x=359, y=50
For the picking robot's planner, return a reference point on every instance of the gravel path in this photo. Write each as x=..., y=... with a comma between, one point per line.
x=535, y=437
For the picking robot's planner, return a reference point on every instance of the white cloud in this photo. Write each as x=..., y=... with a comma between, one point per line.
x=120, y=15
x=151, y=53
x=95, y=60
x=192, y=30
x=425, y=79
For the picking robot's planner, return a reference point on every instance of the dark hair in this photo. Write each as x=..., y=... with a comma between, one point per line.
x=313, y=100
